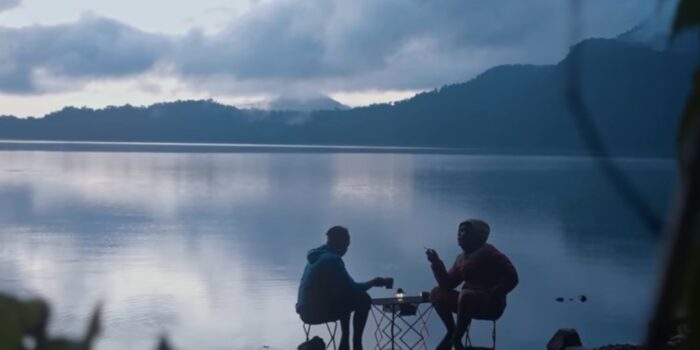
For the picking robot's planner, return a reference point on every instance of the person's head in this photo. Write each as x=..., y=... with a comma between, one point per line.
x=338, y=239
x=472, y=234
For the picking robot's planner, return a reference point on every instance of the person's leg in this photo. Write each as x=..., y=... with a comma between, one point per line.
x=470, y=303
x=463, y=320
x=344, y=331
x=445, y=303
x=362, y=304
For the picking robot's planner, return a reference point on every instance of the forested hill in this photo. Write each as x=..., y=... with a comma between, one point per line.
x=634, y=92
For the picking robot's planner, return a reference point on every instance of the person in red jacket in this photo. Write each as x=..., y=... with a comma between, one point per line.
x=487, y=276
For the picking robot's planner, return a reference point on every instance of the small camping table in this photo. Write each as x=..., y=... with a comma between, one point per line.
x=408, y=333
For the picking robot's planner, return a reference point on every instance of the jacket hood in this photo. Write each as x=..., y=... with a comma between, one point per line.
x=314, y=254
x=478, y=229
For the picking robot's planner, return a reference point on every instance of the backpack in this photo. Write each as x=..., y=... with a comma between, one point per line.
x=316, y=343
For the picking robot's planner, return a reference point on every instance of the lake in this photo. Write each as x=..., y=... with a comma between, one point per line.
x=207, y=245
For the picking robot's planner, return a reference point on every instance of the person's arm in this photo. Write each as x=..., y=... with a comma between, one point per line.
x=507, y=273
x=447, y=279
x=338, y=271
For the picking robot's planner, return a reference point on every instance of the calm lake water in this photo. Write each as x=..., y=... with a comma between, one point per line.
x=208, y=248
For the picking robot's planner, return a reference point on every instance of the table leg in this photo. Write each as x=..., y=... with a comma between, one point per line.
x=380, y=316
x=393, y=322
x=417, y=327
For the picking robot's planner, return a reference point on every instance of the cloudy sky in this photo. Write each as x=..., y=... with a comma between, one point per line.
x=107, y=52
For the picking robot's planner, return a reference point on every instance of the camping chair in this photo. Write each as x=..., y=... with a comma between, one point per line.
x=331, y=331
x=468, y=342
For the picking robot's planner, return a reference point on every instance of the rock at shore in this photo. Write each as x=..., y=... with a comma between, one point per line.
x=564, y=338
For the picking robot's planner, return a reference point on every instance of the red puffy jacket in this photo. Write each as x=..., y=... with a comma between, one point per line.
x=486, y=269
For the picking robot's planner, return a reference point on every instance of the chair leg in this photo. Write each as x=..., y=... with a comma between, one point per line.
x=332, y=334
x=467, y=340
x=307, y=330
x=493, y=335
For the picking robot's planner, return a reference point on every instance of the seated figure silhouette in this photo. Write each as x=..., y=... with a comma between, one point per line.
x=487, y=276
x=328, y=293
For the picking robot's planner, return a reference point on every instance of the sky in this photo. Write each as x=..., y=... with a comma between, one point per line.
x=97, y=53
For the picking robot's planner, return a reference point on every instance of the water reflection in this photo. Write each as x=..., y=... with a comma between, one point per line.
x=152, y=183
x=380, y=180
x=209, y=247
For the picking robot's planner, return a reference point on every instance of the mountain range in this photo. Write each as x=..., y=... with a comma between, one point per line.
x=635, y=93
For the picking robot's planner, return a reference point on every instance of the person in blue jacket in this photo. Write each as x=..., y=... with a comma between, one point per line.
x=328, y=293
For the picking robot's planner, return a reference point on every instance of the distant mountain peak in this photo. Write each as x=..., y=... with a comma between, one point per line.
x=302, y=103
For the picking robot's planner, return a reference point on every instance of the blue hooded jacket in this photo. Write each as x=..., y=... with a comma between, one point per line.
x=325, y=280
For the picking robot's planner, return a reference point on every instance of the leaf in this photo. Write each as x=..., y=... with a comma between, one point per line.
x=10, y=324
x=94, y=328
x=34, y=316
x=63, y=344
x=687, y=15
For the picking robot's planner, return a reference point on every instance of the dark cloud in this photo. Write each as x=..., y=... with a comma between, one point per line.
x=8, y=4
x=33, y=59
x=320, y=45
x=396, y=44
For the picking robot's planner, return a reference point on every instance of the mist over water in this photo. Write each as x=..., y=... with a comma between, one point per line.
x=208, y=248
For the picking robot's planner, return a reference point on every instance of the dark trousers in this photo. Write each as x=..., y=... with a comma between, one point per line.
x=481, y=305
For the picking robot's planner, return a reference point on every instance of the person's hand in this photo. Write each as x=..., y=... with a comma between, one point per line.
x=378, y=282
x=432, y=255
